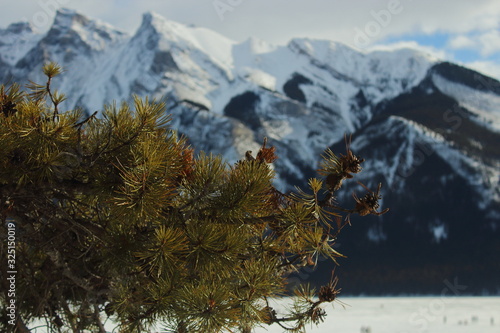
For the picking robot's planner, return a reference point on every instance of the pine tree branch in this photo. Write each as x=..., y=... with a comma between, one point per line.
x=83, y=122
x=49, y=92
x=70, y=316
x=98, y=319
x=21, y=326
x=129, y=141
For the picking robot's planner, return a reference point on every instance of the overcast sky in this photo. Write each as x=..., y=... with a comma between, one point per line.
x=466, y=31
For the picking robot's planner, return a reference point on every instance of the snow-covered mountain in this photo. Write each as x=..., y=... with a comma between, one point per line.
x=428, y=129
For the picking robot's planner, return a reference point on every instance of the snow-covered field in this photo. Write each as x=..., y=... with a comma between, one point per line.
x=409, y=315
x=398, y=315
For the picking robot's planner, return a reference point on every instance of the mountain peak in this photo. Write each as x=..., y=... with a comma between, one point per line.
x=151, y=17
x=179, y=31
x=68, y=18
x=18, y=38
x=256, y=45
x=325, y=50
x=165, y=33
x=152, y=21
x=149, y=22
x=71, y=27
x=18, y=28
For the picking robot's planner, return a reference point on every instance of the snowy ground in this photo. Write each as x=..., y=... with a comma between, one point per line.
x=410, y=315
x=401, y=315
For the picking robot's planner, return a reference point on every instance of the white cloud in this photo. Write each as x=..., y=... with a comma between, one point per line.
x=485, y=43
x=455, y=17
x=462, y=42
x=279, y=20
x=438, y=54
x=490, y=43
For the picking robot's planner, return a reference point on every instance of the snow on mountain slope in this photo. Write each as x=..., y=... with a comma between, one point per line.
x=331, y=74
x=484, y=104
x=15, y=41
x=413, y=143
x=74, y=28
x=217, y=47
